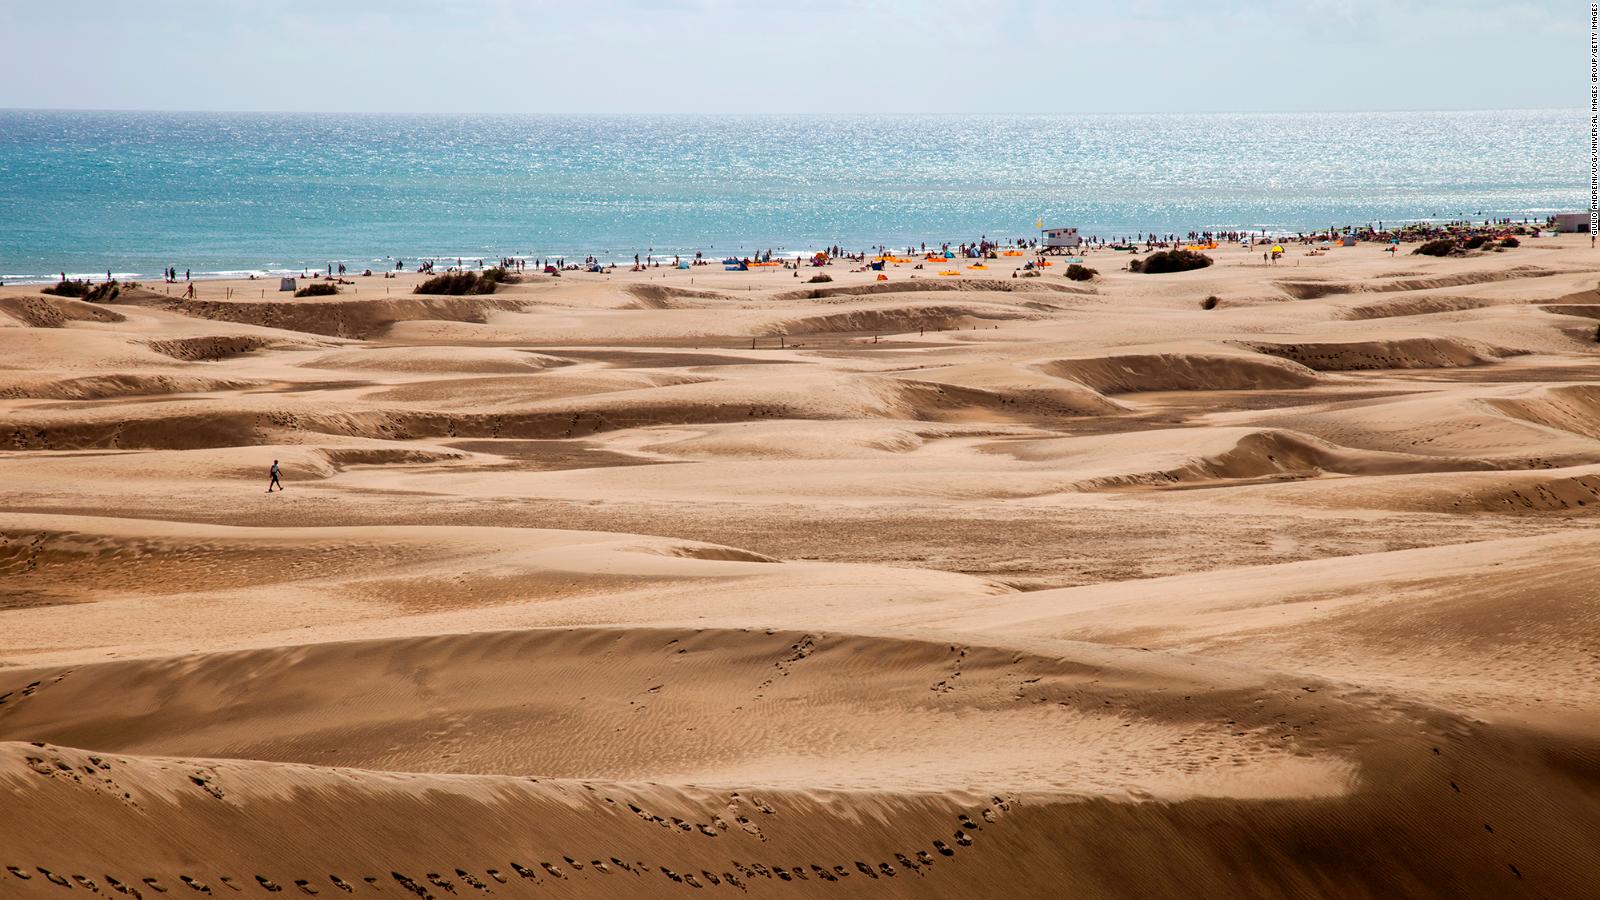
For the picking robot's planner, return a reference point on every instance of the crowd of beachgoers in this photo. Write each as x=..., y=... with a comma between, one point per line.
x=982, y=248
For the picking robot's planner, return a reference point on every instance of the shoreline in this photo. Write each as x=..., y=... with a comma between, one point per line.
x=378, y=265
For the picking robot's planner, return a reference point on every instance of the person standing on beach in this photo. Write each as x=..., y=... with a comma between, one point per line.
x=274, y=482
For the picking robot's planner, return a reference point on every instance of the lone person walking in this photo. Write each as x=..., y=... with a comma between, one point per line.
x=274, y=482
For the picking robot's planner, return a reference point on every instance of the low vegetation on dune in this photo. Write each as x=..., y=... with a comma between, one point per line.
x=104, y=292
x=1440, y=247
x=1210, y=302
x=318, y=289
x=1078, y=272
x=1164, y=261
x=819, y=278
x=67, y=289
x=459, y=283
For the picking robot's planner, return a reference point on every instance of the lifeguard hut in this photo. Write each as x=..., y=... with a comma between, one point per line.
x=1060, y=239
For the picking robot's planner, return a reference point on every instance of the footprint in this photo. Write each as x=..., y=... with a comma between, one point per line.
x=495, y=874
x=305, y=886
x=18, y=872
x=121, y=888
x=524, y=871
x=412, y=886
x=53, y=878
x=886, y=869
x=228, y=880
x=86, y=884
x=268, y=884
x=341, y=884
x=200, y=886
x=573, y=863
x=943, y=848
x=157, y=886
x=599, y=866
x=925, y=857
x=553, y=870
x=710, y=876
x=692, y=881
x=205, y=785
x=962, y=839
x=439, y=882
x=471, y=879
x=865, y=869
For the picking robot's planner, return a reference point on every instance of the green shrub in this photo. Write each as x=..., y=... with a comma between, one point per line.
x=318, y=289
x=1210, y=302
x=1164, y=261
x=104, y=292
x=819, y=278
x=1476, y=241
x=1077, y=272
x=1508, y=241
x=499, y=276
x=67, y=289
x=456, y=284
x=1440, y=247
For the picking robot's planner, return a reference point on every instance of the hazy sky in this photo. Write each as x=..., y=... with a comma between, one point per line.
x=818, y=56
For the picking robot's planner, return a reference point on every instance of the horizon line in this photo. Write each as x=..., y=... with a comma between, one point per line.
x=778, y=115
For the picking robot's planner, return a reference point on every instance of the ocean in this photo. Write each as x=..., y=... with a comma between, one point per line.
x=231, y=193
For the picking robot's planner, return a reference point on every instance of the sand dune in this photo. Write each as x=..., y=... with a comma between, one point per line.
x=676, y=582
x=1401, y=353
x=1183, y=370
x=353, y=317
x=53, y=312
x=436, y=360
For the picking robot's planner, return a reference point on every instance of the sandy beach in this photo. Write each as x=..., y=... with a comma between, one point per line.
x=688, y=582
